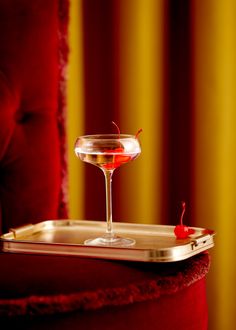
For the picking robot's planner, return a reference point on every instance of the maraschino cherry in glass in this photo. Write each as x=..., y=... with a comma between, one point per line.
x=108, y=152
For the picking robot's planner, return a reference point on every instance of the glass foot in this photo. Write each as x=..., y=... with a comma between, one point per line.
x=111, y=241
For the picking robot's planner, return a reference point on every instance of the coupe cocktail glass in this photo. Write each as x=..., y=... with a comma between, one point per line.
x=108, y=152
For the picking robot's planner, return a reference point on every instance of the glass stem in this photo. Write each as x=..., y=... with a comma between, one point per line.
x=108, y=181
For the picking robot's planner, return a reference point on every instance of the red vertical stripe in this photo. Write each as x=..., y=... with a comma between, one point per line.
x=178, y=112
x=100, y=85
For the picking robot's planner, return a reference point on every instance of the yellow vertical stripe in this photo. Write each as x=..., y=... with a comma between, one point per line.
x=216, y=148
x=75, y=110
x=227, y=226
x=140, y=100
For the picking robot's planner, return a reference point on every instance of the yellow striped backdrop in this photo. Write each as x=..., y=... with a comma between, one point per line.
x=141, y=99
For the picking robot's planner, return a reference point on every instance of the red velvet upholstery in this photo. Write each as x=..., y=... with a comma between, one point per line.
x=49, y=292
x=30, y=158
x=56, y=292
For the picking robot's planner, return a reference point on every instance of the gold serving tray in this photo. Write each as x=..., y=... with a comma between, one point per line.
x=154, y=243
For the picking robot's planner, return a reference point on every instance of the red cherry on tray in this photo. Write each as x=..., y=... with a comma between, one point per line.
x=181, y=231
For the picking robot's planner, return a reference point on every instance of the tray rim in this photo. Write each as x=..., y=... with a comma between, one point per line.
x=10, y=243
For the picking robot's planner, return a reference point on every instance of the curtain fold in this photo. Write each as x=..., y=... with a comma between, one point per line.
x=75, y=114
x=214, y=26
x=167, y=67
x=140, y=86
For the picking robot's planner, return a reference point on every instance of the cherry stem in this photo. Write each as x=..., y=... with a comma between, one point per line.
x=137, y=134
x=183, y=211
x=118, y=130
x=117, y=127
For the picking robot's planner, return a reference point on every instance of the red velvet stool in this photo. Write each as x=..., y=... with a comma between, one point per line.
x=55, y=292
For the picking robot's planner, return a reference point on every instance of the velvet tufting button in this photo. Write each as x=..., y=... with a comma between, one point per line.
x=21, y=117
